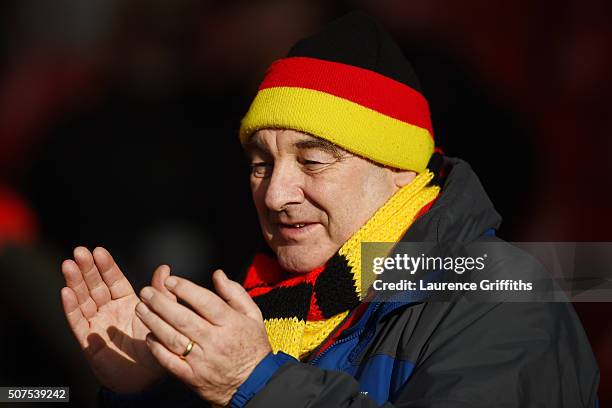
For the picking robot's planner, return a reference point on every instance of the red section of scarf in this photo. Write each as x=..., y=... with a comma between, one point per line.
x=265, y=274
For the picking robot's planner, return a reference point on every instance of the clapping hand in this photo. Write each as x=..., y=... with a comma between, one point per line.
x=212, y=347
x=99, y=304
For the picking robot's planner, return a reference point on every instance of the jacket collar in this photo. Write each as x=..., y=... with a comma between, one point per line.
x=462, y=214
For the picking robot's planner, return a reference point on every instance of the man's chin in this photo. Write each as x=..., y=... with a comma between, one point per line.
x=300, y=261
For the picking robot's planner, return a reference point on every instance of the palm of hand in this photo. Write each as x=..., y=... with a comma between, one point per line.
x=122, y=352
x=99, y=303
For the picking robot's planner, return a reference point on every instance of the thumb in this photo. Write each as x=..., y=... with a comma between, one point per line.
x=159, y=277
x=235, y=295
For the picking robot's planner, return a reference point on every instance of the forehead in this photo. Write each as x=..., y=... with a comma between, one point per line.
x=270, y=140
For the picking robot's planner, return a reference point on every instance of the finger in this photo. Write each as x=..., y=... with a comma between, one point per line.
x=77, y=322
x=159, y=276
x=235, y=295
x=116, y=281
x=179, y=317
x=97, y=288
x=169, y=360
x=74, y=280
x=171, y=338
x=204, y=302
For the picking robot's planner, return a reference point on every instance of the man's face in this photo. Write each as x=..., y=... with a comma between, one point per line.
x=310, y=195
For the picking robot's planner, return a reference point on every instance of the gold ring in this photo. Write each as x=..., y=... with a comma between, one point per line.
x=187, y=349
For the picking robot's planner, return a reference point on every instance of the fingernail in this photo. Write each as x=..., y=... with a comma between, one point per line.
x=146, y=293
x=171, y=282
x=141, y=308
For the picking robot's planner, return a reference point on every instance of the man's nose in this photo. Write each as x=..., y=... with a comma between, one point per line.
x=284, y=187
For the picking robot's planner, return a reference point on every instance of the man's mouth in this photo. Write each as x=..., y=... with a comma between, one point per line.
x=295, y=224
x=295, y=230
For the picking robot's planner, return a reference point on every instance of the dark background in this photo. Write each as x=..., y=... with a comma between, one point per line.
x=119, y=119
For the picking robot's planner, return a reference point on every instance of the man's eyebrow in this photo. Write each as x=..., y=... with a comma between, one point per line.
x=255, y=144
x=319, y=144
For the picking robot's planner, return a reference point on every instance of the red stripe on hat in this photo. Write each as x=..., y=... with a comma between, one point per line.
x=359, y=85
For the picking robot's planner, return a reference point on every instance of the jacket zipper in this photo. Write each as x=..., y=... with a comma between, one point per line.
x=342, y=340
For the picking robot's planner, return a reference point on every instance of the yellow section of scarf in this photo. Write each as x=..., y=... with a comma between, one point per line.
x=389, y=223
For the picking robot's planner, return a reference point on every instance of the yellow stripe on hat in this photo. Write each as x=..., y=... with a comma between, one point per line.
x=357, y=129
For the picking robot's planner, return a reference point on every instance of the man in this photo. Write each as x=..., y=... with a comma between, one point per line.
x=341, y=149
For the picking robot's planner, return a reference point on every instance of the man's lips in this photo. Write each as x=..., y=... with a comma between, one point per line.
x=296, y=230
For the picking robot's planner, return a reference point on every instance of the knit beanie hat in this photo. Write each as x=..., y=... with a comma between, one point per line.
x=351, y=85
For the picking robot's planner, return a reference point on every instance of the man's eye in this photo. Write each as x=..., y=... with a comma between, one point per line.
x=313, y=164
x=261, y=169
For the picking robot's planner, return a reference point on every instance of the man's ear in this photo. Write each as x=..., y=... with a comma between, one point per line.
x=402, y=178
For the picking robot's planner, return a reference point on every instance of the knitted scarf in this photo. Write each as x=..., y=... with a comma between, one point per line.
x=301, y=311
